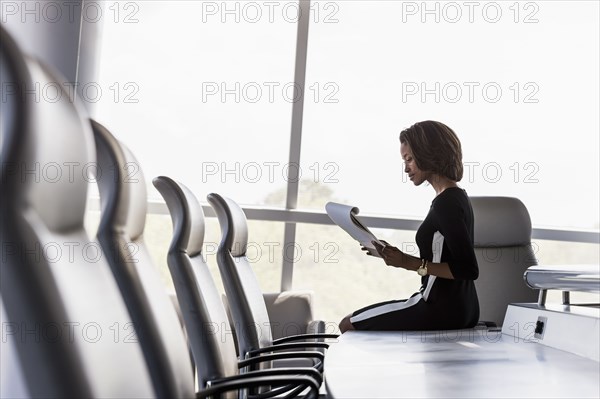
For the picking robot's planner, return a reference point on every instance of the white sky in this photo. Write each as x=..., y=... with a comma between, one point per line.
x=365, y=55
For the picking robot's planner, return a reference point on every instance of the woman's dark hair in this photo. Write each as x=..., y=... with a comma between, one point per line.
x=435, y=148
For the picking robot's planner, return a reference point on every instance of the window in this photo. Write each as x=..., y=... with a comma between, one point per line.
x=517, y=81
x=203, y=92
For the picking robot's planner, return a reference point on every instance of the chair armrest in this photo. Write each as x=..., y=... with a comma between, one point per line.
x=281, y=355
x=304, y=337
x=251, y=380
x=315, y=327
x=281, y=347
x=310, y=371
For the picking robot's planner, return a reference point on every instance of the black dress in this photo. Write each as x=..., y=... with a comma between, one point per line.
x=446, y=235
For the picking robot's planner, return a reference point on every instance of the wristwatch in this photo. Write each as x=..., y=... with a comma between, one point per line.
x=422, y=270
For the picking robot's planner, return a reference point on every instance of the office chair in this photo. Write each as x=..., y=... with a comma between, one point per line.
x=120, y=233
x=123, y=202
x=60, y=298
x=248, y=309
x=14, y=117
x=206, y=321
x=503, y=250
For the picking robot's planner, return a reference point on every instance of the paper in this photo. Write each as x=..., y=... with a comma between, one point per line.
x=345, y=216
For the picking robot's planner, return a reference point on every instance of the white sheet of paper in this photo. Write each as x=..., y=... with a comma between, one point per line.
x=345, y=216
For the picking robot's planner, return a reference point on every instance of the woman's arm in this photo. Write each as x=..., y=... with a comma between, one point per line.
x=453, y=225
x=392, y=256
x=449, y=217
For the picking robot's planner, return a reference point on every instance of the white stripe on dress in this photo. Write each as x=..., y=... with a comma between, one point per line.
x=436, y=247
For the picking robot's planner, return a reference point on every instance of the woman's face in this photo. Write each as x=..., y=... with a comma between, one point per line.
x=416, y=175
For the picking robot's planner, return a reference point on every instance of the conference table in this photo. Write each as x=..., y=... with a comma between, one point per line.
x=476, y=363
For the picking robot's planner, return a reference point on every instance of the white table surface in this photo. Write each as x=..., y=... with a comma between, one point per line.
x=465, y=364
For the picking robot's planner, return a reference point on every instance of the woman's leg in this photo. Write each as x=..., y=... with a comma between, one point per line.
x=410, y=314
x=345, y=324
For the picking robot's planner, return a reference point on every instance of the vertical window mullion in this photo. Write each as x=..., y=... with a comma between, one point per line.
x=293, y=178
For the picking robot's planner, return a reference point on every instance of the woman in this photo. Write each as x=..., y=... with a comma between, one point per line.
x=447, y=299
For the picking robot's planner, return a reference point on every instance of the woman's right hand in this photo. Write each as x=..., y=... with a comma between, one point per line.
x=392, y=256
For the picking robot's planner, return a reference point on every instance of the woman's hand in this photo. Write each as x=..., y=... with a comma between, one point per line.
x=377, y=246
x=392, y=256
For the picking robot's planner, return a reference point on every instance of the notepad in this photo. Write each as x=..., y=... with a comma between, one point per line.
x=345, y=216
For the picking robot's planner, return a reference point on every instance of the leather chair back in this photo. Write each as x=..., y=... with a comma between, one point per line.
x=57, y=288
x=205, y=318
x=245, y=298
x=123, y=201
x=504, y=252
